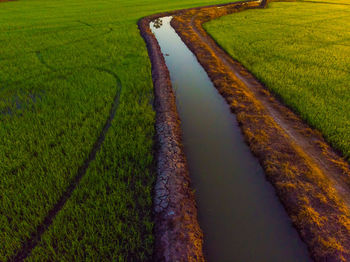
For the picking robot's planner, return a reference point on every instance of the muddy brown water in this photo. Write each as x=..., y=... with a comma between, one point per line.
x=239, y=213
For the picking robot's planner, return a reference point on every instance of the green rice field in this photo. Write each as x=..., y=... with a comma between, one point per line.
x=300, y=51
x=62, y=66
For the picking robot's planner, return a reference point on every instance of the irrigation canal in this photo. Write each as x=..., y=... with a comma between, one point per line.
x=239, y=213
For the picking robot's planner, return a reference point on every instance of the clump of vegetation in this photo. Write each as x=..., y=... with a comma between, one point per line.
x=300, y=51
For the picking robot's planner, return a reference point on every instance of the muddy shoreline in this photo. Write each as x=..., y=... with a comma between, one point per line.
x=178, y=236
x=310, y=178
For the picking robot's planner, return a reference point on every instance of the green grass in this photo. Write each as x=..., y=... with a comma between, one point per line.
x=59, y=61
x=300, y=51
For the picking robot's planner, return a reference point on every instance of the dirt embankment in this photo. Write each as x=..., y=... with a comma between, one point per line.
x=310, y=178
x=178, y=236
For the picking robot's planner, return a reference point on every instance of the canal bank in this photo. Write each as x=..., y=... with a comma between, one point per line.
x=239, y=213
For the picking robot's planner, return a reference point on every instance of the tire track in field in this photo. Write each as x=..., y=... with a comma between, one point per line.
x=95, y=36
x=41, y=60
x=85, y=23
x=35, y=237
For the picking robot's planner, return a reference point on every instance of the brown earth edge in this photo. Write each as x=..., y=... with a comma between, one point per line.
x=311, y=179
x=178, y=236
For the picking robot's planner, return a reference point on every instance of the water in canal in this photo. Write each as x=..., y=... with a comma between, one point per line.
x=239, y=213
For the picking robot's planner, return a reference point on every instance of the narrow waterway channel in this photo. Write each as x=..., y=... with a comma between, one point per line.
x=239, y=213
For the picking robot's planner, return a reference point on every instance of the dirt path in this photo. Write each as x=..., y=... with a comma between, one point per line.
x=325, y=160
x=311, y=179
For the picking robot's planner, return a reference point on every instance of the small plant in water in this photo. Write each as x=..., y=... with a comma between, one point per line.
x=158, y=23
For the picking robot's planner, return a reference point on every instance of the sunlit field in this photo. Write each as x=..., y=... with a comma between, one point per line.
x=300, y=51
x=62, y=64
